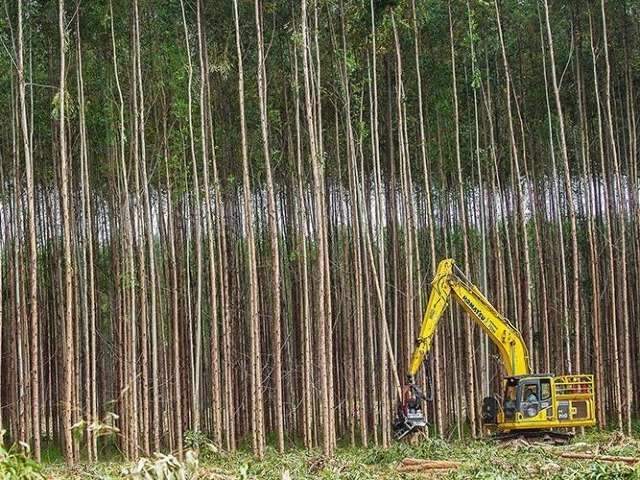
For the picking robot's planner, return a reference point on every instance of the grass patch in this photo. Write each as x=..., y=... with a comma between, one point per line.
x=479, y=460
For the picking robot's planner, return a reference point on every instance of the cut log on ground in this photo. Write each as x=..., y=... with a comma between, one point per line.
x=419, y=465
x=603, y=458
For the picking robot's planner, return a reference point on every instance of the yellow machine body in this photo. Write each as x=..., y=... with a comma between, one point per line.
x=561, y=402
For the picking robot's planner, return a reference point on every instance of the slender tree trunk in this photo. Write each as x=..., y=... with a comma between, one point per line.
x=556, y=210
x=34, y=340
x=153, y=315
x=197, y=365
x=618, y=197
x=568, y=193
x=68, y=265
x=257, y=417
x=468, y=328
x=273, y=235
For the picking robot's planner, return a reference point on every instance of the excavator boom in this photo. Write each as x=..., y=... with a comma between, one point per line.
x=450, y=282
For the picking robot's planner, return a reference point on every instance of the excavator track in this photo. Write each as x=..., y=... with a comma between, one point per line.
x=552, y=437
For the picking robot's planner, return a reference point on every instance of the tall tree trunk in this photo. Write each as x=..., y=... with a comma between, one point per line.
x=556, y=210
x=69, y=353
x=468, y=328
x=321, y=315
x=34, y=341
x=273, y=235
x=618, y=197
x=569, y=194
x=257, y=417
x=197, y=364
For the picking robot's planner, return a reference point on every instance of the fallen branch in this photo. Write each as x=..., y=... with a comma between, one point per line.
x=418, y=465
x=604, y=458
x=414, y=461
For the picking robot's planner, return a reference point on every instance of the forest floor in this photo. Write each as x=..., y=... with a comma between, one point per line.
x=476, y=459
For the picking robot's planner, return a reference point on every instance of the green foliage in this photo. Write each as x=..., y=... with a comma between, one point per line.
x=378, y=455
x=78, y=429
x=69, y=106
x=605, y=471
x=99, y=428
x=221, y=64
x=164, y=467
x=16, y=462
x=199, y=442
x=50, y=452
x=478, y=459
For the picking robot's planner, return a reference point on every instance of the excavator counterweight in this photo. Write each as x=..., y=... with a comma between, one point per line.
x=532, y=405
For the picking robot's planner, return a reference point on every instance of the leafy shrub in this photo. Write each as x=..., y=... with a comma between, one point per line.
x=164, y=467
x=16, y=462
x=609, y=471
x=200, y=443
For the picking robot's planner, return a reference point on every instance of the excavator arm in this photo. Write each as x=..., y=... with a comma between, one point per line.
x=450, y=282
x=437, y=304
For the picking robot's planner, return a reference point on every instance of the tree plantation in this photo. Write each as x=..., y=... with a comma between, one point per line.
x=219, y=220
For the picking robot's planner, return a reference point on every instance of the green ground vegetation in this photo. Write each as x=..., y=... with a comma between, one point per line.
x=478, y=459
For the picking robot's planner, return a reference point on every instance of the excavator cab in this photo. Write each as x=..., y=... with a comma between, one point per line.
x=539, y=403
x=524, y=397
x=528, y=398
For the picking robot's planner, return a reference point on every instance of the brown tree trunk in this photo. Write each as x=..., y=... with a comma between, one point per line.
x=69, y=353
x=273, y=236
x=257, y=416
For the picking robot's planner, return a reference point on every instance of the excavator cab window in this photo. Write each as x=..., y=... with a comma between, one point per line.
x=546, y=402
x=510, y=400
x=545, y=389
x=530, y=394
x=530, y=398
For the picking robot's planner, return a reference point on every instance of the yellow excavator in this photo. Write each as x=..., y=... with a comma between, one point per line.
x=532, y=405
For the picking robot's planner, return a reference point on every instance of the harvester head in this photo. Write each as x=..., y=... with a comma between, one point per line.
x=410, y=416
